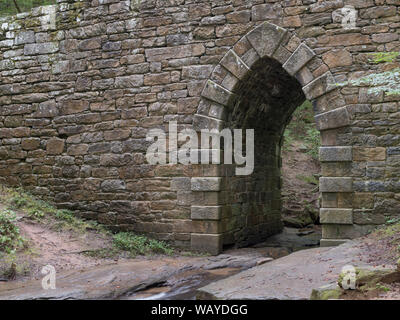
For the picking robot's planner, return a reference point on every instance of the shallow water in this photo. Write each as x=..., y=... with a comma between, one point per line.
x=183, y=286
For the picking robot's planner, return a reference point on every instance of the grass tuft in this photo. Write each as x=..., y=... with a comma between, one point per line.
x=302, y=127
x=10, y=238
x=140, y=245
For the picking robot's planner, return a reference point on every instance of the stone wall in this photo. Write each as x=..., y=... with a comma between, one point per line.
x=83, y=82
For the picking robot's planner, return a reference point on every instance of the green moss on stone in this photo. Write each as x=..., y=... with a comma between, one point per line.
x=382, y=57
x=326, y=293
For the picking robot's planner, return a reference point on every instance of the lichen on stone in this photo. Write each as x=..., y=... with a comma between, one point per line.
x=387, y=82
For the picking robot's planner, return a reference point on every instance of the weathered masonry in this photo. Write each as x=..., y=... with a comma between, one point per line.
x=83, y=82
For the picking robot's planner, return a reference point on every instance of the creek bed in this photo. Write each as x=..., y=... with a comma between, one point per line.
x=183, y=285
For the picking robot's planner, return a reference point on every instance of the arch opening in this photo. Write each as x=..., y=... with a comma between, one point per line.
x=265, y=100
x=259, y=83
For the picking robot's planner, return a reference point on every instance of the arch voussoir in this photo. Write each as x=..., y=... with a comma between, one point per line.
x=232, y=62
x=266, y=38
x=298, y=59
x=201, y=122
x=215, y=92
x=320, y=86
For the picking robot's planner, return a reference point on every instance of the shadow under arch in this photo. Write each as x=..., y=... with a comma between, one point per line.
x=257, y=85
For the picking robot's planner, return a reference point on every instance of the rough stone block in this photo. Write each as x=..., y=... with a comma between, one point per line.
x=77, y=150
x=206, y=212
x=74, y=106
x=55, y=146
x=335, y=184
x=90, y=44
x=181, y=183
x=266, y=38
x=333, y=154
x=197, y=72
x=369, y=154
x=298, y=59
x=338, y=58
x=206, y=184
x=177, y=52
x=30, y=143
x=40, y=48
x=132, y=81
x=210, y=243
x=363, y=200
x=365, y=216
x=266, y=11
x=333, y=119
x=113, y=185
x=336, y=216
x=24, y=37
x=345, y=231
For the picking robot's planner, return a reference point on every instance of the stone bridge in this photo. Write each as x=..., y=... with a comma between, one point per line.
x=83, y=82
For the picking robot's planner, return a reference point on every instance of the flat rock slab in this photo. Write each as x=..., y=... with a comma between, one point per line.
x=105, y=282
x=112, y=281
x=291, y=277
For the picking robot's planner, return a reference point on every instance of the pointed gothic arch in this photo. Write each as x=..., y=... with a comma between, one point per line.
x=273, y=45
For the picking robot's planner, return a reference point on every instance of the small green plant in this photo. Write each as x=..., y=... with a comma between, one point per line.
x=139, y=245
x=392, y=220
x=380, y=286
x=65, y=215
x=313, y=141
x=33, y=207
x=35, y=213
x=302, y=127
x=10, y=238
x=44, y=212
x=18, y=202
x=288, y=140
